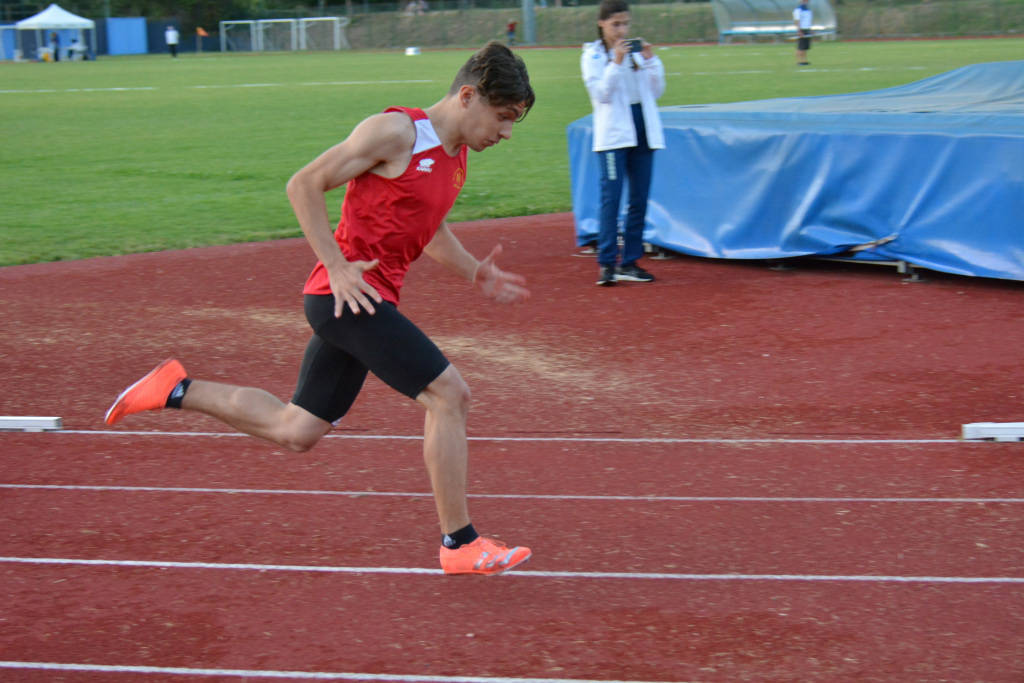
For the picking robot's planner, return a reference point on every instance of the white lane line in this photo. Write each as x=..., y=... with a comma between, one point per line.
x=305, y=675
x=728, y=73
x=306, y=84
x=52, y=90
x=864, y=578
x=509, y=496
x=745, y=72
x=530, y=439
x=217, y=87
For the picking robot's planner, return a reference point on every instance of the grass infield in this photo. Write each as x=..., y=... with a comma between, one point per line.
x=131, y=154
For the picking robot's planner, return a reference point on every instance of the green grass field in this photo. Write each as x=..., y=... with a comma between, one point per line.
x=134, y=154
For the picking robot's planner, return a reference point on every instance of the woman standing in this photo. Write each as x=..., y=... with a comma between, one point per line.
x=623, y=78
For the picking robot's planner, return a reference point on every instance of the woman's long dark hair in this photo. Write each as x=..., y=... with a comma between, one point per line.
x=605, y=10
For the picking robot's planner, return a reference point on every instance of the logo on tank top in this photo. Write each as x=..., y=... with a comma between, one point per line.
x=426, y=166
x=458, y=178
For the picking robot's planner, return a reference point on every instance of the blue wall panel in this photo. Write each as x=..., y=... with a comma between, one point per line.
x=8, y=41
x=126, y=36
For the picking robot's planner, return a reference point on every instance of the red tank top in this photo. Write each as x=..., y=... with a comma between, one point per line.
x=393, y=219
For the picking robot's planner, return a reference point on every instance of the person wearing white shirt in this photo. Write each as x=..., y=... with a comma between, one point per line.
x=802, y=18
x=624, y=78
x=171, y=38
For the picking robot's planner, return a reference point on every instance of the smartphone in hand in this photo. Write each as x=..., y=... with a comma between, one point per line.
x=635, y=44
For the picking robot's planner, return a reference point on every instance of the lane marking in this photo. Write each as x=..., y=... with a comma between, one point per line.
x=863, y=578
x=745, y=72
x=533, y=439
x=306, y=84
x=508, y=496
x=52, y=90
x=216, y=87
x=742, y=72
x=306, y=675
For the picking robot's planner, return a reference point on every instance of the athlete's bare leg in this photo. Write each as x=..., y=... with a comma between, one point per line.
x=445, y=450
x=256, y=412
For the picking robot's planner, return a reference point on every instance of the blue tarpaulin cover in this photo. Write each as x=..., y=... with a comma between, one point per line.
x=931, y=172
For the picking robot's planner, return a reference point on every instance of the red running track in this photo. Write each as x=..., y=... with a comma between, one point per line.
x=960, y=523
x=865, y=543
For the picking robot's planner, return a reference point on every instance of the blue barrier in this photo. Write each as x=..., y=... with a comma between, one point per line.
x=126, y=36
x=8, y=41
x=931, y=173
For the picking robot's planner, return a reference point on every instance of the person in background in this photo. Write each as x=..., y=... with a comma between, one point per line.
x=77, y=51
x=403, y=168
x=624, y=79
x=803, y=18
x=171, y=38
x=55, y=46
x=510, y=32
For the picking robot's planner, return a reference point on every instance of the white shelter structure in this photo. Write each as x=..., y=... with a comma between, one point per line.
x=56, y=18
x=771, y=19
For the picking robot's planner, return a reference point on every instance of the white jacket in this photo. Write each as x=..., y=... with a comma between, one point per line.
x=613, y=121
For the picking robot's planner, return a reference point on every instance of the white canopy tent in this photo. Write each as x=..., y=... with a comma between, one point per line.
x=55, y=18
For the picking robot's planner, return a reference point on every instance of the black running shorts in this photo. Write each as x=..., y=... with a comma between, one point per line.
x=342, y=350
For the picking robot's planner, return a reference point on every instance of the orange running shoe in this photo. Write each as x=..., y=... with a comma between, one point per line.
x=149, y=393
x=482, y=556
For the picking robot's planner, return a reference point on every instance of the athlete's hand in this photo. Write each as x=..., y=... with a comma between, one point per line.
x=350, y=288
x=505, y=288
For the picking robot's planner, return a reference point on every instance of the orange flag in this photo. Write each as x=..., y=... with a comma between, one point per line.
x=200, y=31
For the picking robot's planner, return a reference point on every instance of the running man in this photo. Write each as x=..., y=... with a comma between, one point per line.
x=404, y=168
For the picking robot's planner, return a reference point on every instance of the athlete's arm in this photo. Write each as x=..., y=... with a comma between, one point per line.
x=446, y=249
x=381, y=144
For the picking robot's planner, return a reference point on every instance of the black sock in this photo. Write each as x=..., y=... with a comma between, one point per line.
x=463, y=536
x=178, y=393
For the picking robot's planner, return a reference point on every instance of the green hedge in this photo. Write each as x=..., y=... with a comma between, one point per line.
x=681, y=22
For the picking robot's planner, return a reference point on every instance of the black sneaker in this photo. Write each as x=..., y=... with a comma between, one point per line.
x=633, y=273
x=607, y=277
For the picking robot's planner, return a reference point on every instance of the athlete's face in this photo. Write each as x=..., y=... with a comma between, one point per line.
x=487, y=124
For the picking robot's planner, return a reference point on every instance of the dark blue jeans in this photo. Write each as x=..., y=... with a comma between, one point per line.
x=631, y=164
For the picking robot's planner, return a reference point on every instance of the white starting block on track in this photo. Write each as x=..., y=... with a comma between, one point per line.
x=18, y=423
x=997, y=431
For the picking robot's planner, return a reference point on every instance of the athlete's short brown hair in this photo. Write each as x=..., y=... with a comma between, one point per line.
x=499, y=75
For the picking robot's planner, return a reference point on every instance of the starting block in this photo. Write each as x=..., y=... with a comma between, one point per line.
x=997, y=431
x=18, y=423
